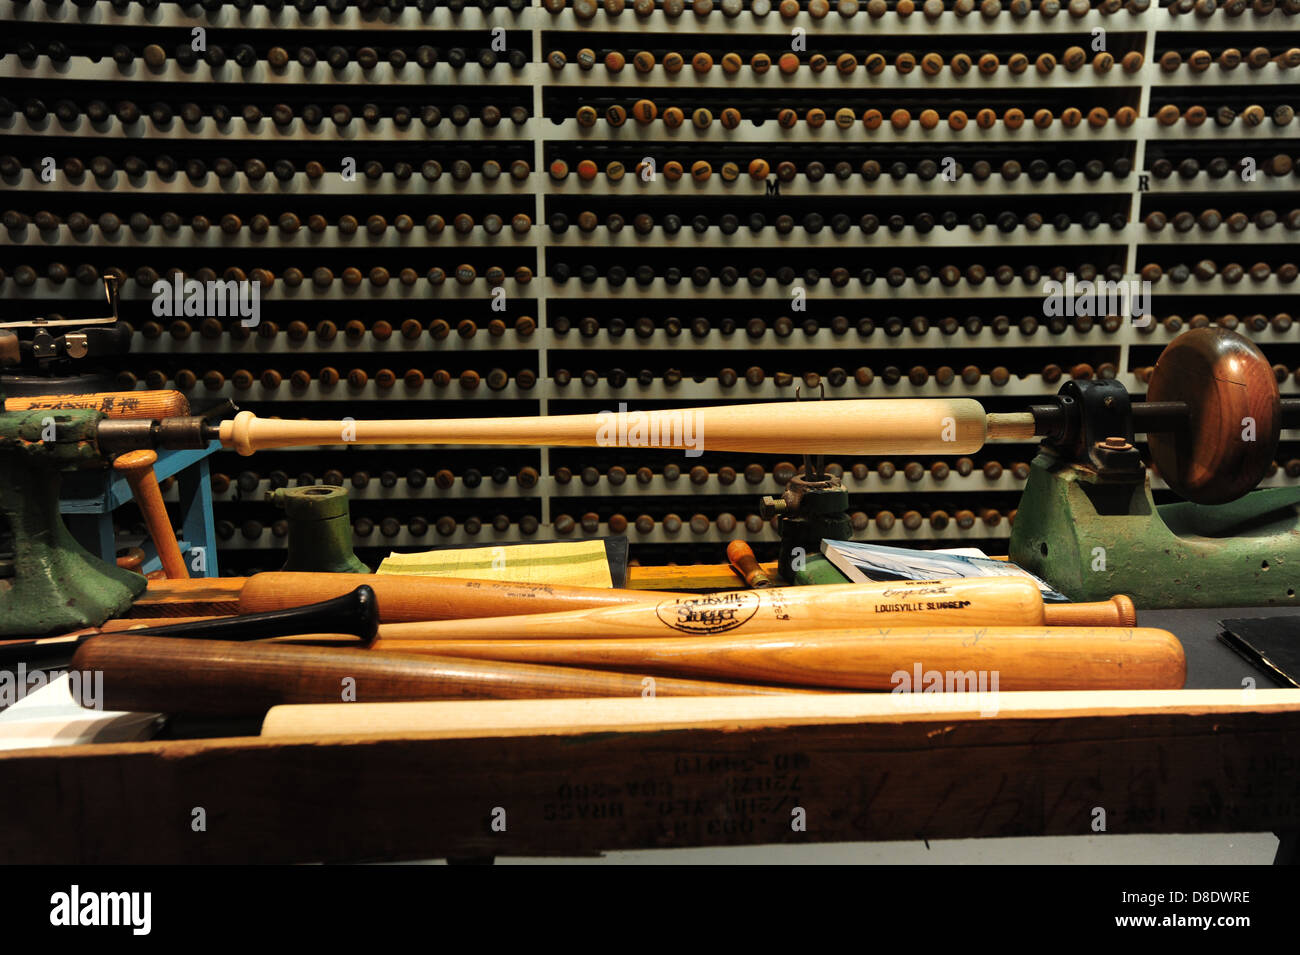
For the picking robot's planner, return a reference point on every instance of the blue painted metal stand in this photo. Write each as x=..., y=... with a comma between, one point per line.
x=89, y=499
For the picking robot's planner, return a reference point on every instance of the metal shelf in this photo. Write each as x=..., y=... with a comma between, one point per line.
x=301, y=185
x=383, y=76
x=260, y=18
x=459, y=491
x=662, y=343
x=1277, y=235
x=1270, y=74
x=428, y=541
x=207, y=131
x=855, y=186
x=960, y=237
x=892, y=25
x=880, y=290
x=711, y=390
x=345, y=392
x=876, y=342
x=302, y=240
x=1204, y=184
x=860, y=26
x=575, y=491
x=488, y=535
x=394, y=290
x=425, y=347
x=773, y=135
x=568, y=130
x=660, y=82
x=742, y=290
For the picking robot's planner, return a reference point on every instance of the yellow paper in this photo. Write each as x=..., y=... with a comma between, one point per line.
x=567, y=563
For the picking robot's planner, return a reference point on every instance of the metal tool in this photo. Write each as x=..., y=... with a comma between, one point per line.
x=814, y=507
x=1088, y=523
x=48, y=581
x=65, y=355
x=320, y=530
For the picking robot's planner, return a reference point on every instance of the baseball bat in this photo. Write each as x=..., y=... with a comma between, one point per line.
x=115, y=404
x=856, y=426
x=352, y=614
x=403, y=597
x=215, y=678
x=1024, y=658
x=972, y=601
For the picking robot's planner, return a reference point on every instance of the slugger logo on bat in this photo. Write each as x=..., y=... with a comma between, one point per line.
x=715, y=613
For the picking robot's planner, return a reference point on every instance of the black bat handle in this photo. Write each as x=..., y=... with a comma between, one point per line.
x=355, y=613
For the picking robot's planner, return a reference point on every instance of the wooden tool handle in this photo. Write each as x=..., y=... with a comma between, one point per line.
x=859, y=426
x=743, y=562
x=405, y=597
x=1031, y=658
x=115, y=404
x=215, y=678
x=137, y=468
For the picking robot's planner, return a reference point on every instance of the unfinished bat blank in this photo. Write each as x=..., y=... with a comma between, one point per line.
x=857, y=426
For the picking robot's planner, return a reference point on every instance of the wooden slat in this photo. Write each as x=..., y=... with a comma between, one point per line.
x=689, y=577
x=1173, y=769
x=196, y=597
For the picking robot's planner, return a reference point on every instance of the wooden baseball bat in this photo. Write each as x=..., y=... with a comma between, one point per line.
x=215, y=678
x=115, y=404
x=972, y=601
x=857, y=426
x=403, y=597
x=1024, y=658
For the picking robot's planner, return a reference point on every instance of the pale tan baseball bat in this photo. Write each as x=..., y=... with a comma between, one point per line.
x=857, y=426
x=403, y=597
x=918, y=659
x=974, y=601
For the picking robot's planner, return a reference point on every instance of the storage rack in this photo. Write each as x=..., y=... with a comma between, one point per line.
x=551, y=132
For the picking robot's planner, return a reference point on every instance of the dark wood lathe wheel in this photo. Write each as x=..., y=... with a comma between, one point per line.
x=1224, y=380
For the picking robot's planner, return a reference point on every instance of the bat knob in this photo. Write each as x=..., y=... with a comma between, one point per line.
x=239, y=436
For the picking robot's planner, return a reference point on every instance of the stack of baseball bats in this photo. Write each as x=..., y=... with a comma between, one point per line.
x=318, y=638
